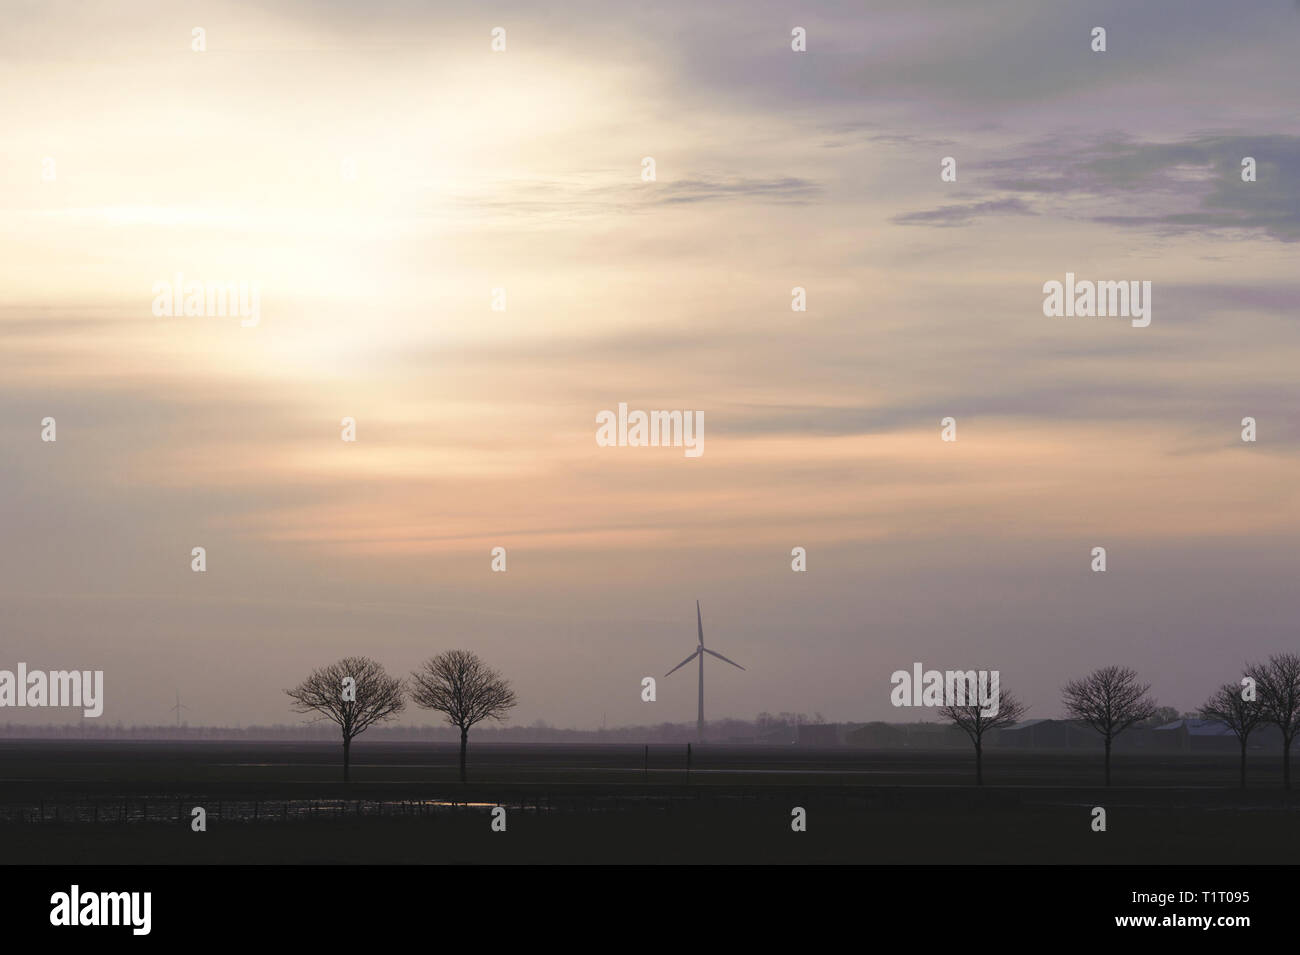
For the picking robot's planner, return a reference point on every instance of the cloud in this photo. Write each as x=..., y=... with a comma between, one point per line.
x=964, y=214
x=786, y=189
x=1190, y=186
x=580, y=198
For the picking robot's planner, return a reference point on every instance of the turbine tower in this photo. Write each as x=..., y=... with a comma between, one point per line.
x=699, y=652
x=177, y=709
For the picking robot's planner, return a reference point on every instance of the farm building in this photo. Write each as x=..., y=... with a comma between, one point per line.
x=1197, y=736
x=1211, y=736
x=819, y=734
x=1068, y=734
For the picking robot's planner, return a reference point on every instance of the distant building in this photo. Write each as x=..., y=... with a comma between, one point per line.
x=1047, y=734
x=1197, y=736
x=1187, y=735
x=876, y=735
x=1070, y=734
x=1212, y=736
x=819, y=734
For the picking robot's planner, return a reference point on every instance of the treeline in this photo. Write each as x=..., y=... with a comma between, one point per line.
x=1112, y=700
x=729, y=730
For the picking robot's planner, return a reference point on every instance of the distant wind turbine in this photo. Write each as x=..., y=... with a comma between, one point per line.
x=177, y=709
x=699, y=652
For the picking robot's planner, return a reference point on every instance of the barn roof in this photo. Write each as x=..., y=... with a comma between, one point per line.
x=1199, y=727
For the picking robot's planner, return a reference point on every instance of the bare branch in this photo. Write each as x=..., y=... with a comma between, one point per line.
x=377, y=696
x=1277, y=684
x=463, y=688
x=1109, y=700
x=1227, y=706
x=971, y=717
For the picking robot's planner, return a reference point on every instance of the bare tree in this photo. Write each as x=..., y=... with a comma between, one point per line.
x=1228, y=706
x=466, y=690
x=1109, y=700
x=972, y=718
x=1277, y=685
x=355, y=693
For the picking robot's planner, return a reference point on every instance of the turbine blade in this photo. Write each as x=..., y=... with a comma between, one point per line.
x=700, y=621
x=721, y=657
x=684, y=662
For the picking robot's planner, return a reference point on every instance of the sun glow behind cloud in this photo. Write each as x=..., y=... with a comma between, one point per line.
x=476, y=427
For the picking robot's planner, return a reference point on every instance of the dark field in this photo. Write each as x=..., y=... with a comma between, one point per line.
x=130, y=802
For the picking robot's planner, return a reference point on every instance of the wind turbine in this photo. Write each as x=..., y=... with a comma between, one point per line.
x=177, y=709
x=699, y=652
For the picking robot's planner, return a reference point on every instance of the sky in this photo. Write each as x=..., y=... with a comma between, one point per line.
x=377, y=170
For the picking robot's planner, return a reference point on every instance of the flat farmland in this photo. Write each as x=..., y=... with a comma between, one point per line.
x=80, y=802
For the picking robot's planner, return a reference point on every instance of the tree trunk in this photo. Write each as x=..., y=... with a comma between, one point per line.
x=464, y=741
x=979, y=763
x=1286, y=762
x=1243, y=763
x=347, y=759
x=1107, y=760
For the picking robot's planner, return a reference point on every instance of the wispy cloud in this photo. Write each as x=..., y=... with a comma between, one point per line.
x=964, y=213
x=1190, y=186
